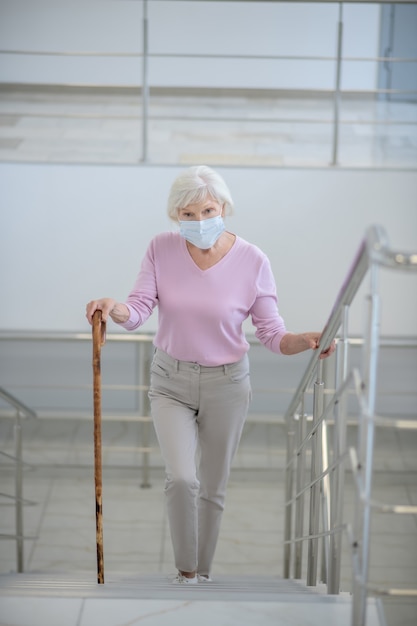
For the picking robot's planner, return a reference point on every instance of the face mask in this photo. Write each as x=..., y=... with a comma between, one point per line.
x=204, y=233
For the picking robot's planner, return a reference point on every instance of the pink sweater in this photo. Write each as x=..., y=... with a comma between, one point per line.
x=201, y=311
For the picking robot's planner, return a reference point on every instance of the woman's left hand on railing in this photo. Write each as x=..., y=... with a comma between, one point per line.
x=314, y=344
x=293, y=343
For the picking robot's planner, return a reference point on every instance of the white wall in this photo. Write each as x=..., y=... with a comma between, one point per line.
x=251, y=28
x=72, y=233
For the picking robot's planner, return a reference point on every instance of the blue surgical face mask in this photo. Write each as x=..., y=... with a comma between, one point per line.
x=204, y=233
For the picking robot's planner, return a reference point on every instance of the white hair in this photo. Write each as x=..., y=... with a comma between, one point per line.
x=194, y=185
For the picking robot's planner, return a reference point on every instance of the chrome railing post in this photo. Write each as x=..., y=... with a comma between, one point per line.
x=144, y=411
x=315, y=484
x=336, y=96
x=366, y=450
x=339, y=446
x=19, y=493
x=145, y=83
x=329, y=377
x=289, y=475
x=325, y=505
x=299, y=503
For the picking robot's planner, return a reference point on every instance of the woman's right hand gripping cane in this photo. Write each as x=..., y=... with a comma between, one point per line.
x=117, y=311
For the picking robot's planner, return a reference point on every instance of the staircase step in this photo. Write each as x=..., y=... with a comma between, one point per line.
x=235, y=601
x=121, y=586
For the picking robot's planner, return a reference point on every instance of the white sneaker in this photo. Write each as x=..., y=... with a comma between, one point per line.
x=182, y=580
x=203, y=578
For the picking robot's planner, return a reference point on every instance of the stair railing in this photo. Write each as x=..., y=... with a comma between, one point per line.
x=325, y=484
x=21, y=411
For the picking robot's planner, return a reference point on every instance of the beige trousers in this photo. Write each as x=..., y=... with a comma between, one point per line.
x=198, y=414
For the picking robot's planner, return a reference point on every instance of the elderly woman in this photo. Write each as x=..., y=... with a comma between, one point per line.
x=205, y=281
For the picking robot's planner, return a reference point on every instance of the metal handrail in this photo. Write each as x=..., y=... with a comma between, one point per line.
x=373, y=248
x=373, y=253
x=21, y=411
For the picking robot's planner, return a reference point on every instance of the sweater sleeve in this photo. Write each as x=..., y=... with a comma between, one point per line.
x=270, y=326
x=144, y=296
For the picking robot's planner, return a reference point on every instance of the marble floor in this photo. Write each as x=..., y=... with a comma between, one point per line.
x=85, y=126
x=59, y=479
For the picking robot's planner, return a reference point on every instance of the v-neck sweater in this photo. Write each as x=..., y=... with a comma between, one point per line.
x=201, y=312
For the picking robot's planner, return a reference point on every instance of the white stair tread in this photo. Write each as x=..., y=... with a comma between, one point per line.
x=77, y=600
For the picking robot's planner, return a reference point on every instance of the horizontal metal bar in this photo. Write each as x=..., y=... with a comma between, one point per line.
x=341, y=458
x=108, y=387
x=276, y=120
x=398, y=509
x=19, y=406
x=201, y=55
x=395, y=260
x=72, y=53
x=326, y=533
x=383, y=420
x=114, y=448
x=86, y=415
x=52, y=336
x=380, y=507
x=252, y=418
x=71, y=336
x=399, y=593
x=386, y=342
x=29, y=537
x=15, y=499
x=393, y=422
x=382, y=59
x=185, y=118
x=72, y=116
x=385, y=591
x=137, y=87
x=5, y=335
x=12, y=457
x=380, y=253
x=279, y=57
x=118, y=387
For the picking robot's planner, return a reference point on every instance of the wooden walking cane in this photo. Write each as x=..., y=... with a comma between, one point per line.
x=99, y=337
